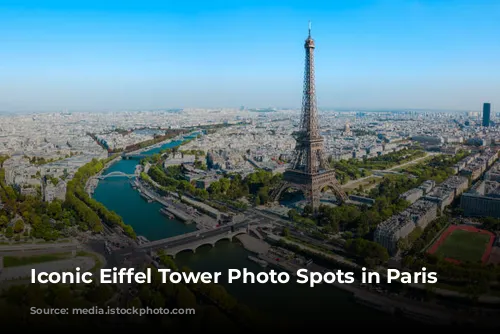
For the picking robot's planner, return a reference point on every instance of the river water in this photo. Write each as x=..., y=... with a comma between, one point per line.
x=289, y=301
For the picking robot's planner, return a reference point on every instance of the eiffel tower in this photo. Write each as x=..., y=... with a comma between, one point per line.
x=309, y=170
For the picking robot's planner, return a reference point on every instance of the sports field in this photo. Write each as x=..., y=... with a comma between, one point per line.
x=463, y=244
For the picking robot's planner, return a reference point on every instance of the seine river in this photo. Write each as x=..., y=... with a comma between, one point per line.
x=293, y=301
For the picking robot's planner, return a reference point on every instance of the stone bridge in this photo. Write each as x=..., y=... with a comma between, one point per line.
x=193, y=240
x=194, y=245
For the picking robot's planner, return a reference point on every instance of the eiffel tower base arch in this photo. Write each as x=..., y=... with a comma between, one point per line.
x=310, y=185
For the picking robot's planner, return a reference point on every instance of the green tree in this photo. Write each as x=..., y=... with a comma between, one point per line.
x=185, y=298
x=308, y=210
x=9, y=232
x=55, y=210
x=3, y=221
x=18, y=226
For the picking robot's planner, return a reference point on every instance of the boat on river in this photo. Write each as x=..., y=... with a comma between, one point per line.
x=146, y=197
x=166, y=213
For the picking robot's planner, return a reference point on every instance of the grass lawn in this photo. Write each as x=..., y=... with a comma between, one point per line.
x=464, y=246
x=365, y=183
x=16, y=261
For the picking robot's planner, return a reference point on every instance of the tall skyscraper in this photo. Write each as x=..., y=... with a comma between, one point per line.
x=309, y=172
x=486, y=114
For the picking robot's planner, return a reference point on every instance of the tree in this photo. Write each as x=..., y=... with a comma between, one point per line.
x=55, y=210
x=371, y=252
x=292, y=213
x=308, y=210
x=18, y=226
x=185, y=298
x=4, y=221
x=99, y=293
x=157, y=301
x=136, y=302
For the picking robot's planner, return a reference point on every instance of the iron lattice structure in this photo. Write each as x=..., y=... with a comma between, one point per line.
x=309, y=170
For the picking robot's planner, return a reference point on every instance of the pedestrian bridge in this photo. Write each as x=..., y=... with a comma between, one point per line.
x=115, y=174
x=194, y=245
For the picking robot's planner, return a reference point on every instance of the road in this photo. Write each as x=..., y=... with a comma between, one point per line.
x=316, y=242
x=20, y=272
x=43, y=248
x=266, y=217
x=34, y=252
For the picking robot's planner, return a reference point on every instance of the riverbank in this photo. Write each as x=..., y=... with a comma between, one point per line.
x=179, y=137
x=370, y=296
x=183, y=208
x=93, y=182
x=252, y=244
x=169, y=207
x=425, y=312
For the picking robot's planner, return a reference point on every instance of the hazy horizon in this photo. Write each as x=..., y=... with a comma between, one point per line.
x=321, y=109
x=117, y=56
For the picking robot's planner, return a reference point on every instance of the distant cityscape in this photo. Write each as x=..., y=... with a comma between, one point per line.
x=41, y=144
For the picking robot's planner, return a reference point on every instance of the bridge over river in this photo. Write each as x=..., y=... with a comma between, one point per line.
x=191, y=241
x=115, y=174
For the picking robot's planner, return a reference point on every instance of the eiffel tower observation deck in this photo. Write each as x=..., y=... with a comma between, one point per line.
x=309, y=171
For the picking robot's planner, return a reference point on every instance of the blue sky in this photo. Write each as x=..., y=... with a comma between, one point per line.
x=114, y=55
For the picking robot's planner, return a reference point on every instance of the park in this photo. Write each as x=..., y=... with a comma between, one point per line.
x=463, y=243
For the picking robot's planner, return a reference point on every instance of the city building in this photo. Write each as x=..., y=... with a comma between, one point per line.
x=493, y=174
x=427, y=186
x=482, y=200
x=428, y=140
x=458, y=184
x=444, y=194
x=420, y=214
x=486, y=114
x=54, y=191
x=412, y=195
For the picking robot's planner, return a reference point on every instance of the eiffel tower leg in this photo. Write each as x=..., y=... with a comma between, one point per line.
x=275, y=195
x=338, y=191
x=314, y=199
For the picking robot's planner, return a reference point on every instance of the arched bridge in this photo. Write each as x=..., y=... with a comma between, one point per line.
x=115, y=174
x=191, y=241
x=192, y=246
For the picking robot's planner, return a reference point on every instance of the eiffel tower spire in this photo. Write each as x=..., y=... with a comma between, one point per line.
x=309, y=171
